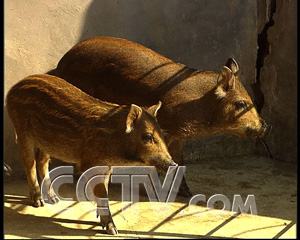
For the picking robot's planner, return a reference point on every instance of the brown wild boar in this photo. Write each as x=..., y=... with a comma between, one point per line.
x=61, y=121
x=195, y=103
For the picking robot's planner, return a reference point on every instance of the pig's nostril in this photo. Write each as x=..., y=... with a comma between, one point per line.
x=173, y=164
x=268, y=129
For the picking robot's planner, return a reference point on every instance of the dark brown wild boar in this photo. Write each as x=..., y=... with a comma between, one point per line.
x=61, y=121
x=195, y=103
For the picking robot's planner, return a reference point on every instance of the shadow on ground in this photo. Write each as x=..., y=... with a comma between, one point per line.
x=274, y=185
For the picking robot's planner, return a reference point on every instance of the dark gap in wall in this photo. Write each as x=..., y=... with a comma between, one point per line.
x=262, y=52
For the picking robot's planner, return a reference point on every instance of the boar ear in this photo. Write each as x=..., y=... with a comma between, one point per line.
x=233, y=66
x=154, y=109
x=134, y=113
x=228, y=79
x=227, y=83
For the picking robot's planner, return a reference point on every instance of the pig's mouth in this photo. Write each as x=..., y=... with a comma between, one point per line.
x=268, y=129
x=265, y=130
x=261, y=133
x=163, y=165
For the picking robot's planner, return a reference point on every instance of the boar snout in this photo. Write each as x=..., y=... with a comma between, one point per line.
x=164, y=165
x=266, y=128
x=261, y=132
x=172, y=163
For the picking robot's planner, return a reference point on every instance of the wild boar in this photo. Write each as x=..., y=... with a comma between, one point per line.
x=195, y=103
x=61, y=121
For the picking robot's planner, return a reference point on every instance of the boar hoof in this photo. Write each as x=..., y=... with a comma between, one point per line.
x=39, y=202
x=51, y=198
x=36, y=199
x=111, y=229
x=54, y=199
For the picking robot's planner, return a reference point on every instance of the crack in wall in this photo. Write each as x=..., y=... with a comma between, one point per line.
x=262, y=52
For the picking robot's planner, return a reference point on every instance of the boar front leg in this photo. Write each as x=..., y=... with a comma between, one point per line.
x=27, y=151
x=106, y=221
x=176, y=150
x=43, y=160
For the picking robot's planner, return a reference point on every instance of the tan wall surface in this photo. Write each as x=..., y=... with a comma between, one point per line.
x=37, y=34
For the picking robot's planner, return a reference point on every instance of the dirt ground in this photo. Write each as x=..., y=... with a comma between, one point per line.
x=273, y=183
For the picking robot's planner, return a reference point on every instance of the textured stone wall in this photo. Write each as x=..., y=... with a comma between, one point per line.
x=279, y=82
x=201, y=34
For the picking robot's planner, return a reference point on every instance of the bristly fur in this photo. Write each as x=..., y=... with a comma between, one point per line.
x=220, y=93
x=53, y=118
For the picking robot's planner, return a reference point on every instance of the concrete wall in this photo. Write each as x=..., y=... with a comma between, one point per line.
x=37, y=34
x=199, y=33
x=279, y=82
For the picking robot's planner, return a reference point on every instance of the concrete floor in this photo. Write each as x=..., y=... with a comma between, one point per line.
x=274, y=185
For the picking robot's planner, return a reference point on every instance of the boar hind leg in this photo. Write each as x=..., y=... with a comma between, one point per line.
x=43, y=160
x=176, y=151
x=106, y=221
x=27, y=151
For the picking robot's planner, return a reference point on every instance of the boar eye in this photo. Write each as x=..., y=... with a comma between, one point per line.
x=148, y=137
x=241, y=105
